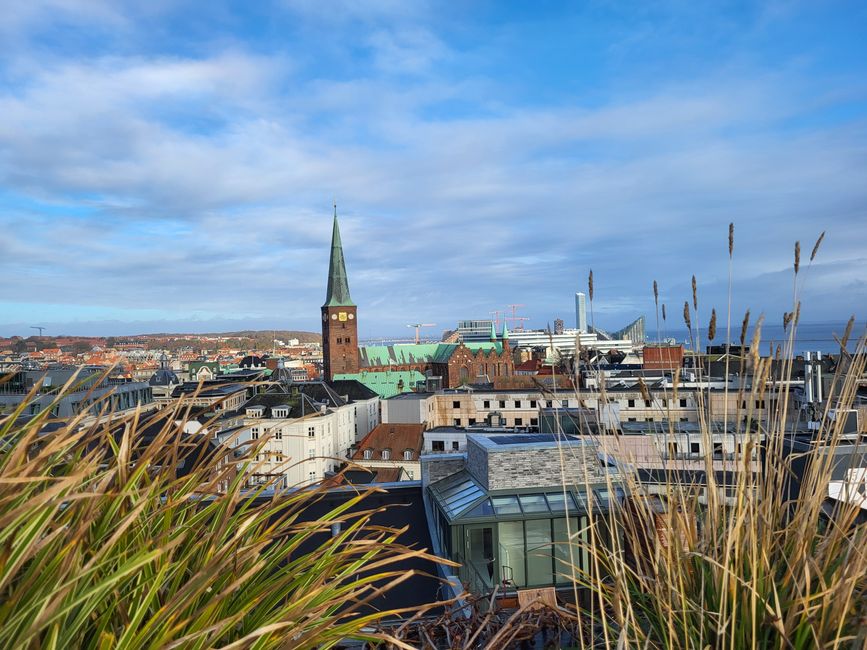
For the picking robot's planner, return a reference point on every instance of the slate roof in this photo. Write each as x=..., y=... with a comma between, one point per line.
x=353, y=389
x=271, y=400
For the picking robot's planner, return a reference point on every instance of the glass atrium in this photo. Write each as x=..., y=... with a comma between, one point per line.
x=517, y=538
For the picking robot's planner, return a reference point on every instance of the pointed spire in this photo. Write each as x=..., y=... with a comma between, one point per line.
x=493, y=331
x=505, y=332
x=338, y=283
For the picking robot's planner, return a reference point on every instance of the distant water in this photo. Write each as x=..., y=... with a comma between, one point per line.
x=808, y=336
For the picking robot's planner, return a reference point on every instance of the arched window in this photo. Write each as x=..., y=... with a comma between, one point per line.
x=368, y=454
x=407, y=455
x=465, y=373
x=386, y=454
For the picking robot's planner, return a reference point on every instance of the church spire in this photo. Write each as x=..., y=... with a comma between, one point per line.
x=338, y=283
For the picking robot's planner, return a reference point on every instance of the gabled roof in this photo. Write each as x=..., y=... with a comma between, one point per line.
x=353, y=389
x=385, y=383
x=395, y=437
x=398, y=355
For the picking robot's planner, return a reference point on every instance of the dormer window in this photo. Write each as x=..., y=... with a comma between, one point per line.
x=407, y=454
x=368, y=454
x=386, y=454
x=281, y=412
x=255, y=412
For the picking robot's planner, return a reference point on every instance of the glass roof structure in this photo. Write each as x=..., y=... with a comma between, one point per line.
x=460, y=496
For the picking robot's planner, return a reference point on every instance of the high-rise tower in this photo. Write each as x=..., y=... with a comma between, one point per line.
x=339, y=322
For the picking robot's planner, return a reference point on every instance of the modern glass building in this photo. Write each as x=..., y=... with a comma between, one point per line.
x=518, y=536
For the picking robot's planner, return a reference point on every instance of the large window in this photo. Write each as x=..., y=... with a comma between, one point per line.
x=538, y=551
x=511, y=543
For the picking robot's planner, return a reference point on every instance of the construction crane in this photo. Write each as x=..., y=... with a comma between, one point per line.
x=514, y=318
x=37, y=327
x=418, y=327
x=496, y=315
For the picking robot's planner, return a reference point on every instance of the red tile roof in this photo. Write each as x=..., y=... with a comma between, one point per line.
x=395, y=437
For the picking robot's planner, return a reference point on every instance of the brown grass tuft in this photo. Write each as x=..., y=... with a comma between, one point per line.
x=816, y=246
x=797, y=256
x=686, y=318
x=731, y=239
x=711, y=329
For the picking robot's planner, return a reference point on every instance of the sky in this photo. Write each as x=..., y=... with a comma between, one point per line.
x=170, y=166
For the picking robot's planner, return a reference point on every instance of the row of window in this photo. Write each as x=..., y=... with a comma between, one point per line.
x=519, y=422
x=440, y=445
x=386, y=454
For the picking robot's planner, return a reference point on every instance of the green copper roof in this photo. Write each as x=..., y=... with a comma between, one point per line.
x=493, y=331
x=338, y=283
x=397, y=355
x=387, y=383
x=505, y=332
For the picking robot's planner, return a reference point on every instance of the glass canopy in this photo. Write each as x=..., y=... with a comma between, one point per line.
x=460, y=496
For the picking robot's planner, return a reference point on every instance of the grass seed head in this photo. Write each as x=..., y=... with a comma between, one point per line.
x=590, y=285
x=816, y=246
x=694, y=294
x=686, y=318
x=711, y=329
x=731, y=239
x=797, y=256
x=744, y=326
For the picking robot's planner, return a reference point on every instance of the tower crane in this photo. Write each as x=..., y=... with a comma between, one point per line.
x=418, y=327
x=38, y=327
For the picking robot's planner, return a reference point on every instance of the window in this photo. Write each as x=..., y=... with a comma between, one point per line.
x=339, y=340
x=502, y=403
x=456, y=404
x=647, y=403
x=717, y=449
x=457, y=422
x=672, y=449
x=311, y=476
x=632, y=420
x=517, y=403
x=664, y=403
x=278, y=434
x=532, y=403
x=684, y=419
x=455, y=445
x=407, y=454
x=255, y=433
x=630, y=403
x=435, y=445
x=386, y=454
x=311, y=453
x=694, y=448
x=486, y=404
x=278, y=457
x=519, y=422
x=534, y=422
x=682, y=403
x=311, y=432
x=549, y=404
x=368, y=453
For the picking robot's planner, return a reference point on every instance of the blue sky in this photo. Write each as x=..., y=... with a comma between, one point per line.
x=170, y=166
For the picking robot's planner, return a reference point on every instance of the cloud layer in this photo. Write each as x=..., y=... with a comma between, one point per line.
x=161, y=172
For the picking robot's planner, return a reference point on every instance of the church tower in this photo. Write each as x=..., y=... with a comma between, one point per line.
x=339, y=323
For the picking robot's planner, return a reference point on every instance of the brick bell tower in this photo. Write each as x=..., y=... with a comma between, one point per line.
x=339, y=322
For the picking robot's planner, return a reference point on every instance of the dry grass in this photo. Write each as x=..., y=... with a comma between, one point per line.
x=751, y=567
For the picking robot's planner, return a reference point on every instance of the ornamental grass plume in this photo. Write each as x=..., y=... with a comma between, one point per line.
x=764, y=550
x=711, y=328
x=686, y=317
x=105, y=545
